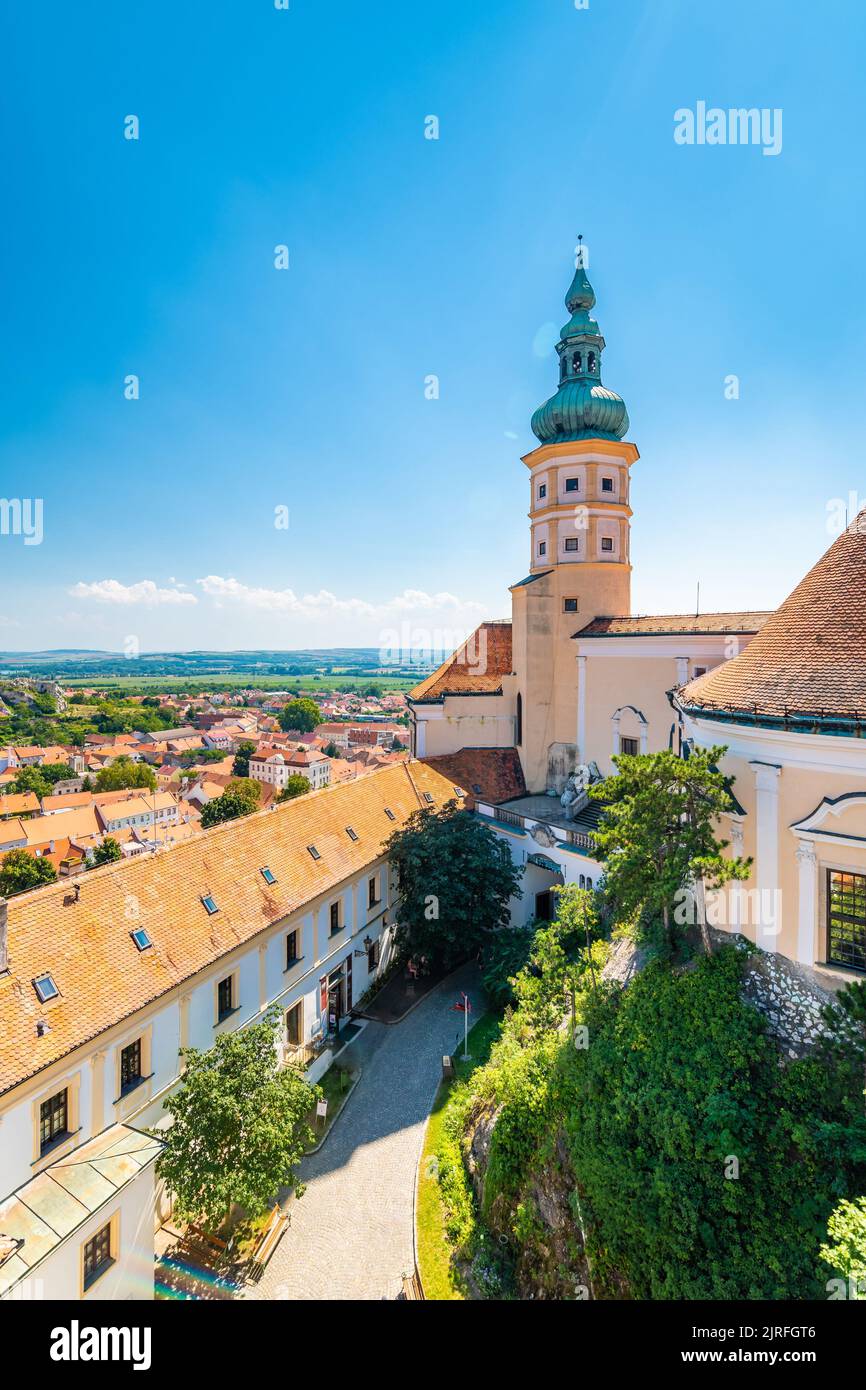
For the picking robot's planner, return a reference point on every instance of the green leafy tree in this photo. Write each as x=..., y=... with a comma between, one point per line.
x=241, y=764
x=303, y=715
x=107, y=853
x=296, y=785
x=455, y=880
x=331, y=750
x=506, y=952
x=846, y=1016
x=20, y=871
x=845, y=1250
x=657, y=835
x=40, y=780
x=240, y=1125
x=124, y=773
x=234, y=802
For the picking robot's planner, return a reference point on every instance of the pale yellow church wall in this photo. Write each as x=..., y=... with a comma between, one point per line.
x=810, y=771
x=477, y=721
x=620, y=683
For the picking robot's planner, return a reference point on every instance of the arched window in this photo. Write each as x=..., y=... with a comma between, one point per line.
x=581, y=882
x=590, y=363
x=518, y=721
x=576, y=362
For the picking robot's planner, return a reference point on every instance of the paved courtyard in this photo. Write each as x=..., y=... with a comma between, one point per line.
x=351, y=1234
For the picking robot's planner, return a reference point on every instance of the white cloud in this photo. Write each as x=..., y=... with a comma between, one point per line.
x=232, y=591
x=145, y=593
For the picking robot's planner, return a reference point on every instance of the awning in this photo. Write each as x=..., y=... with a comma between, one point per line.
x=542, y=862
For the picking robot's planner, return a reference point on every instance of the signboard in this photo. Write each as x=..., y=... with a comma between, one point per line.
x=321, y=1109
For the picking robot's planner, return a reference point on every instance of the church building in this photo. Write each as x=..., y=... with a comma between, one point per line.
x=528, y=712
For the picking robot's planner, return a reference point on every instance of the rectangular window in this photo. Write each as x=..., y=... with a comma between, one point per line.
x=97, y=1255
x=572, y=485
x=846, y=919
x=542, y=492
x=373, y=957
x=292, y=949
x=699, y=671
x=629, y=746
x=295, y=1024
x=130, y=1066
x=542, y=547
x=373, y=893
x=225, y=997
x=607, y=484
x=572, y=543
x=268, y=876
x=569, y=605
x=335, y=917
x=606, y=543
x=210, y=904
x=53, y=1120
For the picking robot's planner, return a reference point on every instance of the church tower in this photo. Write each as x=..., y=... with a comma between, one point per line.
x=579, y=566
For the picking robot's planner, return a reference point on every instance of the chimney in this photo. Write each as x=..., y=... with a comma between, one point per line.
x=4, y=935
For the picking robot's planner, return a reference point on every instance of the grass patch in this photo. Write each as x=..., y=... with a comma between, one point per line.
x=335, y=1086
x=440, y=1275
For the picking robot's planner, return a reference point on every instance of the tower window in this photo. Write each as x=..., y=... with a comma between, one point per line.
x=572, y=543
x=518, y=721
x=542, y=491
x=606, y=543
x=607, y=484
x=576, y=362
x=590, y=363
x=569, y=605
x=572, y=484
x=542, y=547
x=563, y=367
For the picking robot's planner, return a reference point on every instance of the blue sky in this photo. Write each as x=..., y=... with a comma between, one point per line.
x=408, y=257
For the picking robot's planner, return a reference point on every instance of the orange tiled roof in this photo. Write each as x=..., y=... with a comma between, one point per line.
x=86, y=944
x=18, y=803
x=675, y=624
x=476, y=668
x=808, y=659
x=491, y=774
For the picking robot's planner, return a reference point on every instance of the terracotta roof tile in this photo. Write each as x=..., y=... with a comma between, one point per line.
x=491, y=774
x=476, y=668
x=808, y=659
x=675, y=624
x=86, y=945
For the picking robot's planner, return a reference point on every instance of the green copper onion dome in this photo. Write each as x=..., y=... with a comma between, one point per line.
x=582, y=408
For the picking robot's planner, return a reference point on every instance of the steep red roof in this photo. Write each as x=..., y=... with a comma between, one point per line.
x=476, y=668
x=488, y=774
x=808, y=659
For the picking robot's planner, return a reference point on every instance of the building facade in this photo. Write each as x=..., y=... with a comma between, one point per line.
x=105, y=978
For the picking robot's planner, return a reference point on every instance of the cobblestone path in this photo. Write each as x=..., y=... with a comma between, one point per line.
x=351, y=1233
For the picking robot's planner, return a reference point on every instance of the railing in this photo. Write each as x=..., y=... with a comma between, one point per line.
x=508, y=817
x=580, y=839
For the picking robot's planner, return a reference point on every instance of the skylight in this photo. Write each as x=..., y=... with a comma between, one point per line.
x=45, y=988
x=210, y=904
x=389, y=813
x=428, y=797
x=351, y=833
x=314, y=852
x=141, y=938
x=267, y=875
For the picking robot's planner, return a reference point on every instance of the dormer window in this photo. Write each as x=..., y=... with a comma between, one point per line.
x=45, y=988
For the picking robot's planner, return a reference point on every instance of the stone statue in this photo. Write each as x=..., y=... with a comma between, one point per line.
x=573, y=798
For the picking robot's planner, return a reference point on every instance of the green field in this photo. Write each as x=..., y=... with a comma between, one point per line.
x=169, y=685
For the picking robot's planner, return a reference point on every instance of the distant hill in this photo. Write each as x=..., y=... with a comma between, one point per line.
x=69, y=663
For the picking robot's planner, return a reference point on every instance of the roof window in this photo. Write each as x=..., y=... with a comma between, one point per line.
x=45, y=988
x=210, y=904
x=141, y=938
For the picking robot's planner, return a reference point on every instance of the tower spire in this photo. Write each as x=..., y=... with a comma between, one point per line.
x=581, y=408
